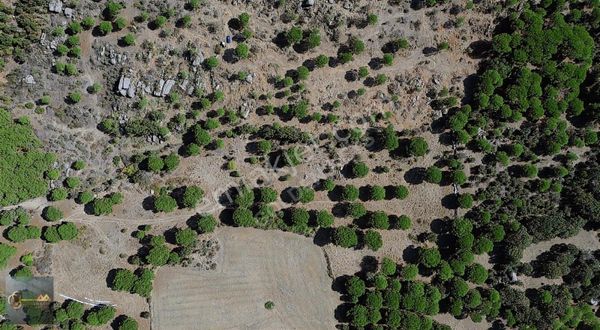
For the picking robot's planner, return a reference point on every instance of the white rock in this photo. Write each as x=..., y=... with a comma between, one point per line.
x=55, y=6
x=167, y=87
x=29, y=80
x=69, y=12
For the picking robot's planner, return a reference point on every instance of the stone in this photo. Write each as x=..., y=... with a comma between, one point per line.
x=69, y=12
x=167, y=87
x=308, y=3
x=158, y=90
x=29, y=80
x=55, y=6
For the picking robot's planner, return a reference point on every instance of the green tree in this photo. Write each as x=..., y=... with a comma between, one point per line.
x=429, y=257
x=324, y=219
x=185, y=237
x=206, y=223
x=155, y=163
x=105, y=27
x=418, y=147
x=433, y=175
x=127, y=323
x=191, y=196
x=164, y=203
x=305, y=194
x=377, y=193
x=345, y=237
x=355, y=287
x=243, y=217
x=294, y=35
x=400, y=192
x=379, y=220
x=129, y=39
x=67, y=231
x=242, y=51
x=267, y=195
x=211, y=63
x=359, y=169
x=51, y=213
x=350, y=193
x=373, y=240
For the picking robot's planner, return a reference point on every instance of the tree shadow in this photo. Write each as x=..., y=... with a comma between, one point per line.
x=415, y=175
x=411, y=254
x=450, y=201
x=323, y=236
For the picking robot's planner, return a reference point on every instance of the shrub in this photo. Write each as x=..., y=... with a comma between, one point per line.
x=350, y=193
x=159, y=21
x=305, y=194
x=359, y=169
x=400, y=192
x=129, y=39
x=377, y=193
x=433, y=175
x=242, y=51
x=459, y=177
x=119, y=23
x=72, y=182
x=409, y=272
x=105, y=27
x=171, y=162
x=164, y=203
x=302, y=72
x=211, y=63
x=373, y=240
x=345, y=237
x=78, y=165
x=294, y=35
x=322, y=61
x=372, y=19
x=185, y=237
x=356, y=210
x=67, y=231
x=429, y=257
x=324, y=219
x=191, y=196
x=418, y=147
x=465, y=201
x=74, y=97
x=51, y=213
x=404, y=222
x=88, y=22
x=243, y=217
x=154, y=163
x=206, y=223
x=299, y=217
x=379, y=220
x=58, y=194
x=100, y=315
x=267, y=195
x=355, y=287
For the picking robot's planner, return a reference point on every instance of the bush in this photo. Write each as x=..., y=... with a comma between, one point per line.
x=206, y=223
x=345, y=237
x=127, y=323
x=400, y=192
x=373, y=240
x=379, y=220
x=294, y=35
x=100, y=315
x=322, y=61
x=243, y=217
x=164, y=203
x=359, y=169
x=159, y=21
x=74, y=97
x=72, y=182
x=58, y=194
x=185, y=237
x=51, y=213
x=267, y=195
x=324, y=219
x=211, y=63
x=465, y=201
x=105, y=27
x=67, y=231
x=350, y=193
x=6, y=252
x=355, y=287
x=299, y=217
x=302, y=72
x=377, y=193
x=119, y=23
x=410, y=272
x=356, y=210
x=429, y=257
x=128, y=39
x=418, y=147
x=155, y=164
x=404, y=222
x=305, y=194
x=191, y=196
x=433, y=175
x=242, y=51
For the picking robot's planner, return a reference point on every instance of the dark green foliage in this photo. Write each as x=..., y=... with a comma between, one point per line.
x=418, y=147
x=164, y=203
x=324, y=219
x=100, y=315
x=267, y=195
x=433, y=175
x=243, y=217
x=356, y=210
x=379, y=220
x=400, y=192
x=22, y=162
x=185, y=237
x=206, y=223
x=345, y=237
x=244, y=197
x=373, y=240
x=350, y=193
x=429, y=257
x=6, y=252
x=191, y=196
x=51, y=213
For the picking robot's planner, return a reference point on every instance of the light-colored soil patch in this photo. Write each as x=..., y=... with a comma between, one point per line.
x=585, y=240
x=257, y=266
